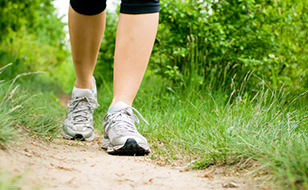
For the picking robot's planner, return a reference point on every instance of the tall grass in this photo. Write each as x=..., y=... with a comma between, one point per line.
x=205, y=126
x=211, y=127
x=24, y=108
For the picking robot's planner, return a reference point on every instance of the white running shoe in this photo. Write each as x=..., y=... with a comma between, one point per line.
x=79, y=121
x=121, y=136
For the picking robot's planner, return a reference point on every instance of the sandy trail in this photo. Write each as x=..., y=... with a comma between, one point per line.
x=82, y=165
x=65, y=165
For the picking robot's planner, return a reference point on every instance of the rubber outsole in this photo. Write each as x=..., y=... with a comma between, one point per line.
x=78, y=137
x=130, y=148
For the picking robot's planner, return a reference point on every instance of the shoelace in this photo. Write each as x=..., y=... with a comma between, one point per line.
x=82, y=108
x=125, y=119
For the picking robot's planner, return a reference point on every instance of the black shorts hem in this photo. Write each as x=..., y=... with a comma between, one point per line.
x=139, y=8
x=85, y=9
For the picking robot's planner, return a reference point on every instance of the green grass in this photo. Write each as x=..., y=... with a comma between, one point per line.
x=24, y=106
x=8, y=182
x=212, y=127
x=206, y=127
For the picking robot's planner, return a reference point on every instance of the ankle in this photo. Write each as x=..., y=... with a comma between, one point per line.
x=84, y=84
x=116, y=100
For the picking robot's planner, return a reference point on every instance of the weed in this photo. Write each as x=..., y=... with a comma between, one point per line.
x=208, y=127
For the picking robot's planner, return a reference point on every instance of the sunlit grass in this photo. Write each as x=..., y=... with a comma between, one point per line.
x=23, y=108
x=205, y=127
x=212, y=127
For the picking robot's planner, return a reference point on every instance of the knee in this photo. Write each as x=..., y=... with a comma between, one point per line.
x=139, y=6
x=88, y=7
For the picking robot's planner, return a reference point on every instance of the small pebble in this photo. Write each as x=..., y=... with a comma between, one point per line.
x=230, y=185
x=207, y=175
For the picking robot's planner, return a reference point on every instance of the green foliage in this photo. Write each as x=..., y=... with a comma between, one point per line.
x=202, y=42
x=7, y=133
x=32, y=37
x=22, y=106
x=36, y=15
x=292, y=34
x=104, y=68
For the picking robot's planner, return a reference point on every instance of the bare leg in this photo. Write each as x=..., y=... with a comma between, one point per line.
x=86, y=33
x=134, y=43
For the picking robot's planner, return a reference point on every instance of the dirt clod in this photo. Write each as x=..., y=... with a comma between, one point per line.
x=230, y=185
x=65, y=168
x=207, y=175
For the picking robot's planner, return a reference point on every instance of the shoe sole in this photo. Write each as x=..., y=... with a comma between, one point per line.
x=79, y=137
x=130, y=148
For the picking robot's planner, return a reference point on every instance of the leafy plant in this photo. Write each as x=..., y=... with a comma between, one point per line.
x=212, y=41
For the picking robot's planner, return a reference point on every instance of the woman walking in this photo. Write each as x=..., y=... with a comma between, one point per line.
x=135, y=37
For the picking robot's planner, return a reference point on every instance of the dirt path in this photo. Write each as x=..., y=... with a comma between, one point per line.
x=68, y=165
x=83, y=165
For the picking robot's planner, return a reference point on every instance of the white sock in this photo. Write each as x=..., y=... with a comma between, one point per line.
x=117, y=106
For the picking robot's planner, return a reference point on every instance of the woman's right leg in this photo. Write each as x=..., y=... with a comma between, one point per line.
x=86, y=32
x=86, y=28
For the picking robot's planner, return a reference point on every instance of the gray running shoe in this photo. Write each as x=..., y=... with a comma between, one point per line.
x=121, y=136
x=79, y=121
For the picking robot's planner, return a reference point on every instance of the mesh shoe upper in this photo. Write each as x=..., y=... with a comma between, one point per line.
x=119, y=125
x=80, y=114
x=79, y=120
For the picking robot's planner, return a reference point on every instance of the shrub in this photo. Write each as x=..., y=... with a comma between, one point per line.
x=208, y=42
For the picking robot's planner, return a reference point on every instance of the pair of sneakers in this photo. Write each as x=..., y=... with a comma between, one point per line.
x=121, y=136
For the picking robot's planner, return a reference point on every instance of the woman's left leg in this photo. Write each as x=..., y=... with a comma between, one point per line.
x=134, y=42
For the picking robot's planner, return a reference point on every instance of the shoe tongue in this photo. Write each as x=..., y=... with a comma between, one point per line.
x=79, y=92
x=117, y=107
